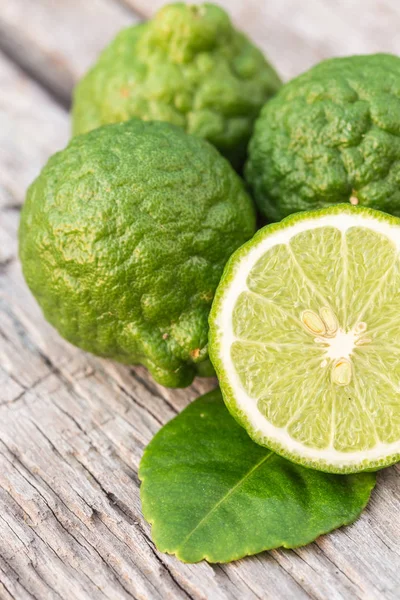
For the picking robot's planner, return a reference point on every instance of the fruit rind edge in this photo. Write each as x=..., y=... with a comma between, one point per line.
x=214, y=342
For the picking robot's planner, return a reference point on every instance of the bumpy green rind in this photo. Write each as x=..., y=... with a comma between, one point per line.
x=330, y=134
x=211, y=493
x=215, y=349
x=123, y=239
x=187, y=66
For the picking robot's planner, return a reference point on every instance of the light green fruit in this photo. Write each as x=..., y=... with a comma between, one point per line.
x=123, y=239
x=304, y=336
x=188, y=66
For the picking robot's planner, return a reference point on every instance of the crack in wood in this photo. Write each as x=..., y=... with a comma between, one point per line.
x=48, y=440
x=17, y=578
x=347, y=580
x=152, y=390
x=4, y=264
x=131, y=472
x=135, y=10
x=6, y=588
x=224, y=569
x=12, y=206
x=37, y=573
x=335, y=565
x=136, y=401
x=12, y=529
x=27, y=63
x=23, y=335
x=92, y=476
x=26, y=517
x=67, y=528
x=122, y=509
x=273, y=554
x=125, y=512
x=25, y=390
x=119, y=507
x=152, y=547
x=7, y=198
x=71, y=418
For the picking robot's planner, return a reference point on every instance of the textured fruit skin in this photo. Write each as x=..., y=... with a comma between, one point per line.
x=187, y=66
x=123, y=239
x=227, y=389
x=331, y=134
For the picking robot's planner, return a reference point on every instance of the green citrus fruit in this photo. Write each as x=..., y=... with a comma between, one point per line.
x=304, y=336
x=187, y=66
x=331, y=135
x=123, y=239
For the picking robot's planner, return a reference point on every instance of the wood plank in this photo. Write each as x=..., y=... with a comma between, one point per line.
x=57, y=41
x=295, y=35
x=31, y=127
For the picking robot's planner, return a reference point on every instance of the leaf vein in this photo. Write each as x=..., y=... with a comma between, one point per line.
x=227, y=495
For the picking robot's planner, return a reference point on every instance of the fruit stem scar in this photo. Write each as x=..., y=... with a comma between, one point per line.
x=341, y=372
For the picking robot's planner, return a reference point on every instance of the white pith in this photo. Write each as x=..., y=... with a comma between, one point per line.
x=339, y=346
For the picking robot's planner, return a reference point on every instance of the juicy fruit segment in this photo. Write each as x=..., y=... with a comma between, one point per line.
x=328, y=355
x=314, y=341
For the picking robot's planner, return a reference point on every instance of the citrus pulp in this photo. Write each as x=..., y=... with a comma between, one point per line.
x=304, y=336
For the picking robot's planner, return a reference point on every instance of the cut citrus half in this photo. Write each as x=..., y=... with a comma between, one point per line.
x=305, y=338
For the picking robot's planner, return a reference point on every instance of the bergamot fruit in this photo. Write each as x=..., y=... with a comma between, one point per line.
x=304, y=336
x=331, y=135
x=123, y=239
x=187, y=66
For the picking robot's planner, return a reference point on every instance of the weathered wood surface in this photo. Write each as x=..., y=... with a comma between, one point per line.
x=73, y=427
x=57, y=40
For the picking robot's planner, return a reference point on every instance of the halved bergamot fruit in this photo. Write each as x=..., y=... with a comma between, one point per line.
x=305, y=338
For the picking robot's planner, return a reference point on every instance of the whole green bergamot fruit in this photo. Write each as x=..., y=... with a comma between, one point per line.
x=187, y=66
x=123, y=239
x=331, y=135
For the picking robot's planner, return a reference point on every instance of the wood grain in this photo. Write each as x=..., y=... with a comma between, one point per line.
x=57, y=40
x=73, y=427
x=31, y=127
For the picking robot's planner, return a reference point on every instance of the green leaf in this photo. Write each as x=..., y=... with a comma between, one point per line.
x=211, y=493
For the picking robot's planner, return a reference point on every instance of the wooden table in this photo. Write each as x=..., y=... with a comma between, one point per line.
x=73, y=427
